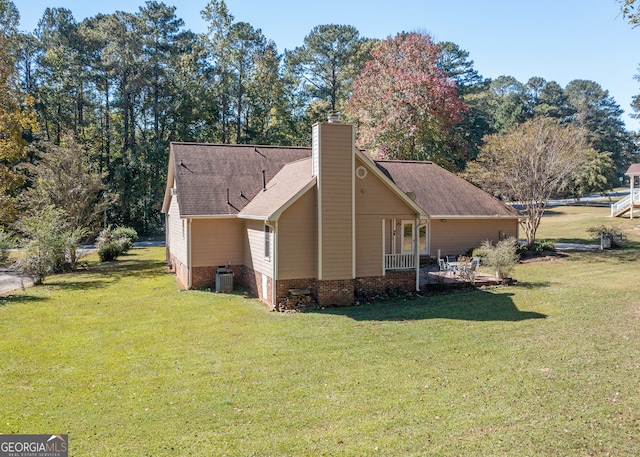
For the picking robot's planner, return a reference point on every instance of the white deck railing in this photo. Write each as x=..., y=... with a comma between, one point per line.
x=399, y=261
x=625, y=203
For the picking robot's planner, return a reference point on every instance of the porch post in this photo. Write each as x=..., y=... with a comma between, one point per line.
x=632, y=179
x=416, y=252
x=384, y=241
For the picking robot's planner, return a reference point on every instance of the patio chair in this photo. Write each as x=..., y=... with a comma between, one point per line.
x=450, y=262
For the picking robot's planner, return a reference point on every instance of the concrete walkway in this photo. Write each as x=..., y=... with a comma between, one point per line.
x=10, y=280
x=577, y=247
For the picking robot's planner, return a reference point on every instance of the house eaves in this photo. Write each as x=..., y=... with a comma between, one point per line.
x=286, y=187
x=170, y=181
x=457, y=216
x=276, y=214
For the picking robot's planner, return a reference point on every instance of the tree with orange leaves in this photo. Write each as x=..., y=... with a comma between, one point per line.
x=16, y=116
x=404, y=103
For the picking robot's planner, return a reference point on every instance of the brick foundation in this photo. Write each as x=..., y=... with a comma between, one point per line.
x=342, y=292
x=245, y=277
x=180, y=270
x=335, y=292
x=203, y=277
x=284, y=285
x=393, y=279
x=326, y=293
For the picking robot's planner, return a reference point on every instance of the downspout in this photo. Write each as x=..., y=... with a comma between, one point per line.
x=416, y=253
x=353, y=206
x=189, y=266
x=632, y=180
x=384, y=245
x=275, y=265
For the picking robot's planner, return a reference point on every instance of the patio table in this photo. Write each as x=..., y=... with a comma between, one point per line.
x=459, y=266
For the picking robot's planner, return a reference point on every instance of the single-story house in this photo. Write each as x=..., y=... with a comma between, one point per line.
x=327, y=219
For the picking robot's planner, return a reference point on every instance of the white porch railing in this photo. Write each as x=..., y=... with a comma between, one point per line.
x=625, y=203
x=399, y=261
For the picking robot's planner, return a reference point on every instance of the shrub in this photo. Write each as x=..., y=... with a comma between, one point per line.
x=477, y=252
x=108, y=248
x=72, y=241
x=113, y=243
x=537, y=247
x=45, y=244
x=7, y=241
x=614, y=232
x=124, y=238
x=502, y=257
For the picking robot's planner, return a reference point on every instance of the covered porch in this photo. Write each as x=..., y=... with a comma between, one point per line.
x=631, y=201
x=403, y=242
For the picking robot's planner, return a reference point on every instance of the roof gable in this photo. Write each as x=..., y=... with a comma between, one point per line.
x=385, y=179
x=285, y=188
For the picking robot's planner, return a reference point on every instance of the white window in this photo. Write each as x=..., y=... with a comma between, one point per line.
x=422, y=239
x=267, y=242
x=407, y=237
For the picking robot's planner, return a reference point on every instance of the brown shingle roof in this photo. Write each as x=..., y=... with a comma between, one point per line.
x=440, y=193
x=205, y=172
x=282, y=190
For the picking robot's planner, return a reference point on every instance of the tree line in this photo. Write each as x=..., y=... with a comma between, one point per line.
x=88, y=108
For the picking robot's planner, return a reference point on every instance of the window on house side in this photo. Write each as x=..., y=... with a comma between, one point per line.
x=267, y=242
x=407, y=237
x=422, y=239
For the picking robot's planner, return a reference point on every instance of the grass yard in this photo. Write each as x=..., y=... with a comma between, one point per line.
x=569, y=224
x=127, y=365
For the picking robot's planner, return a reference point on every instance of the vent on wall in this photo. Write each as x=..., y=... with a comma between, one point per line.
x=174, y=191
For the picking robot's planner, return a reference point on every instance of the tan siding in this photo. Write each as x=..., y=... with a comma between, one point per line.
x=177, y=232
x=216, y=242
x=457, y=236
x=336, y=194
x=375, y=201
x=368, y=246
x=375, y=197
x=254, y=248
x=297, y=239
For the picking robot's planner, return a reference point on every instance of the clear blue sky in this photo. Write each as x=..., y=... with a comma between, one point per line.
x=558, y=40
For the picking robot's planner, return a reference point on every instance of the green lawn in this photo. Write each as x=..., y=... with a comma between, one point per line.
x=569, y=223
x=128, y=365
